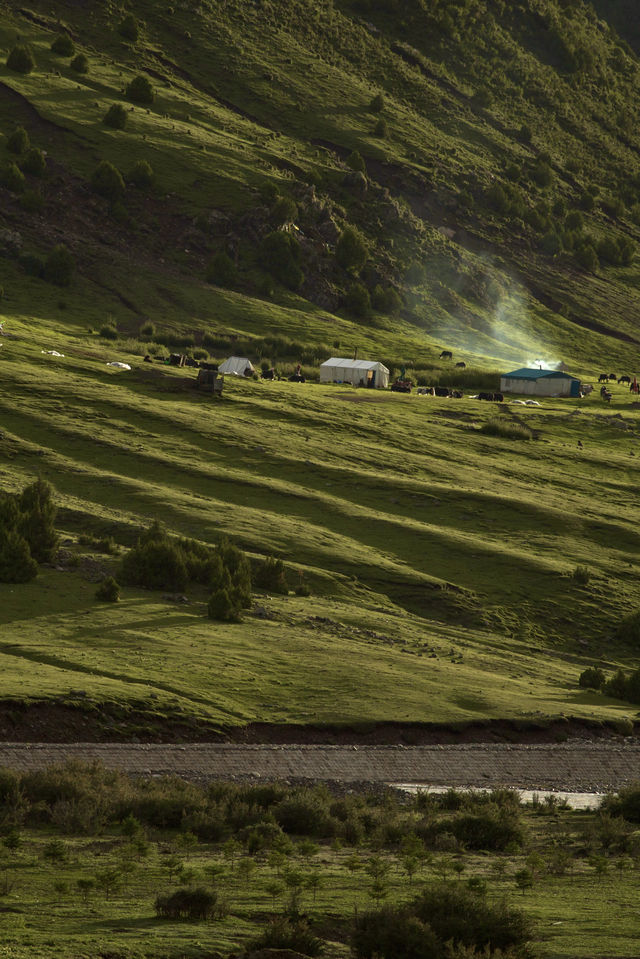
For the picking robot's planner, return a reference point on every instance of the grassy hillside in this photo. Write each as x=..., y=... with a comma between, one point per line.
x=497, y=202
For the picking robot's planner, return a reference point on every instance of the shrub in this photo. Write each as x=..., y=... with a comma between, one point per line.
x=32, y=264
x=270, y=575
x=192, y=904
x=141, y=175
x=288, y=934
x=63, y=45
x=80, y=63
x=587, y=257
x=147, y=330
x=18, y=141
x=551, y=243
x=356, y=162
x=581, y=575
x=20, y=59
x=107, y=181
x=139, y=90
x=16, y=563
x=155, y=564
x=37, y=520
x=34, y=162
x=108, y=591
x=221, y=270
x=109, y=332
x=377, y=104
x=381, y=129
x=386, y=300
x=357, y=300
x=629, y=629
x=129, y=29
x=592, y=678
x=280, y=255
x=574, y=220
x=222, y=607
x=32, y=201
x=506, y=429
x=13, y=178
x=525, y=134
x=352, y=250
x=285, y=210
x=59, y=266
x=305, y=813
x=115, y=117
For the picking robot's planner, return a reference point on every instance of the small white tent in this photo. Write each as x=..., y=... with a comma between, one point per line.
x=237, y=366
x=357, y=372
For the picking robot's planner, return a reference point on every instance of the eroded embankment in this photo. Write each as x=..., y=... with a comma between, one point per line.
x=578, y=765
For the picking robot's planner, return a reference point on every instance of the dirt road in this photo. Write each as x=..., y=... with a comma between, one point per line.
x=575, y=765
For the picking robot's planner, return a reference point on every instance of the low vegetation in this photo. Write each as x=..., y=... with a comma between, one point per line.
x=164, y=865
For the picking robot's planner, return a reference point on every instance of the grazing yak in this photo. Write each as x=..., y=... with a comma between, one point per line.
x=624, y=379
x=461, y=365
x=603, y=378
x=446, y=355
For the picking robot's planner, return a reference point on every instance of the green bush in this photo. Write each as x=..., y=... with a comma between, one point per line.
x=592, y=678
x=141, y=175
x=129, y=28
x=386, y=299
x=37, y=521
x=116, y=117
x=63, y=45
x=223, y=607
x=270, y=574
x=628, y=629
x=291, y=935
x=356, y=162
x=357, y=300
x=59, y=266
x=284, y=211
x=587, y=257
x=32, y=264
x=108, y=591
x=352, y=250
x=381, y=129
x=155, y=564
x=109, y=332
x=581, y=575
x=107, y=181
x=377, y=104
x=18, y=141
x=80, y=63
x=221, y=271
x=280, y=255
x=13, y=178
x=506, y=429
x=147, y=330
x=34, y=162
x=20, y=59
x=139, y=90
x=16, y=563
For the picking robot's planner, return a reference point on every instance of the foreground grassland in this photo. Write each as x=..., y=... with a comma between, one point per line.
x=87, y=877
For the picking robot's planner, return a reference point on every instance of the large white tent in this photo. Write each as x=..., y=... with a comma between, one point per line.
x=237, y=366
x=357, y=372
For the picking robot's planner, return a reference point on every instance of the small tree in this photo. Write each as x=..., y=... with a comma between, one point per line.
x=108, y=182
x=37, y=520
x=222, y=607
x=285, y=210
x=129, y=28
x=108, y=591
x=34, y=162
x=13, y=178
x=357, y=300
x=80, y=63
x=270, y=574
x=352, y=250
x=377, y=104
x=356, y=162
x=222, y=271
x=18, y=141
x=20, y=59
x=59, y=266
x=523, y=879
x=115, y=117
x=381, y=129
x=63, y=45
x=139, y=90
x=141, y=175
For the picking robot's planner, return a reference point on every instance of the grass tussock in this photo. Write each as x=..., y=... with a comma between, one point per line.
x=506, y=429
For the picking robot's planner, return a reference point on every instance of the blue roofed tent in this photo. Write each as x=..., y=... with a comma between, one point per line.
x=540, y=383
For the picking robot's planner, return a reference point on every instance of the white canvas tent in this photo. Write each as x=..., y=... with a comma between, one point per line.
x=357, y=372
x=237, y=366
